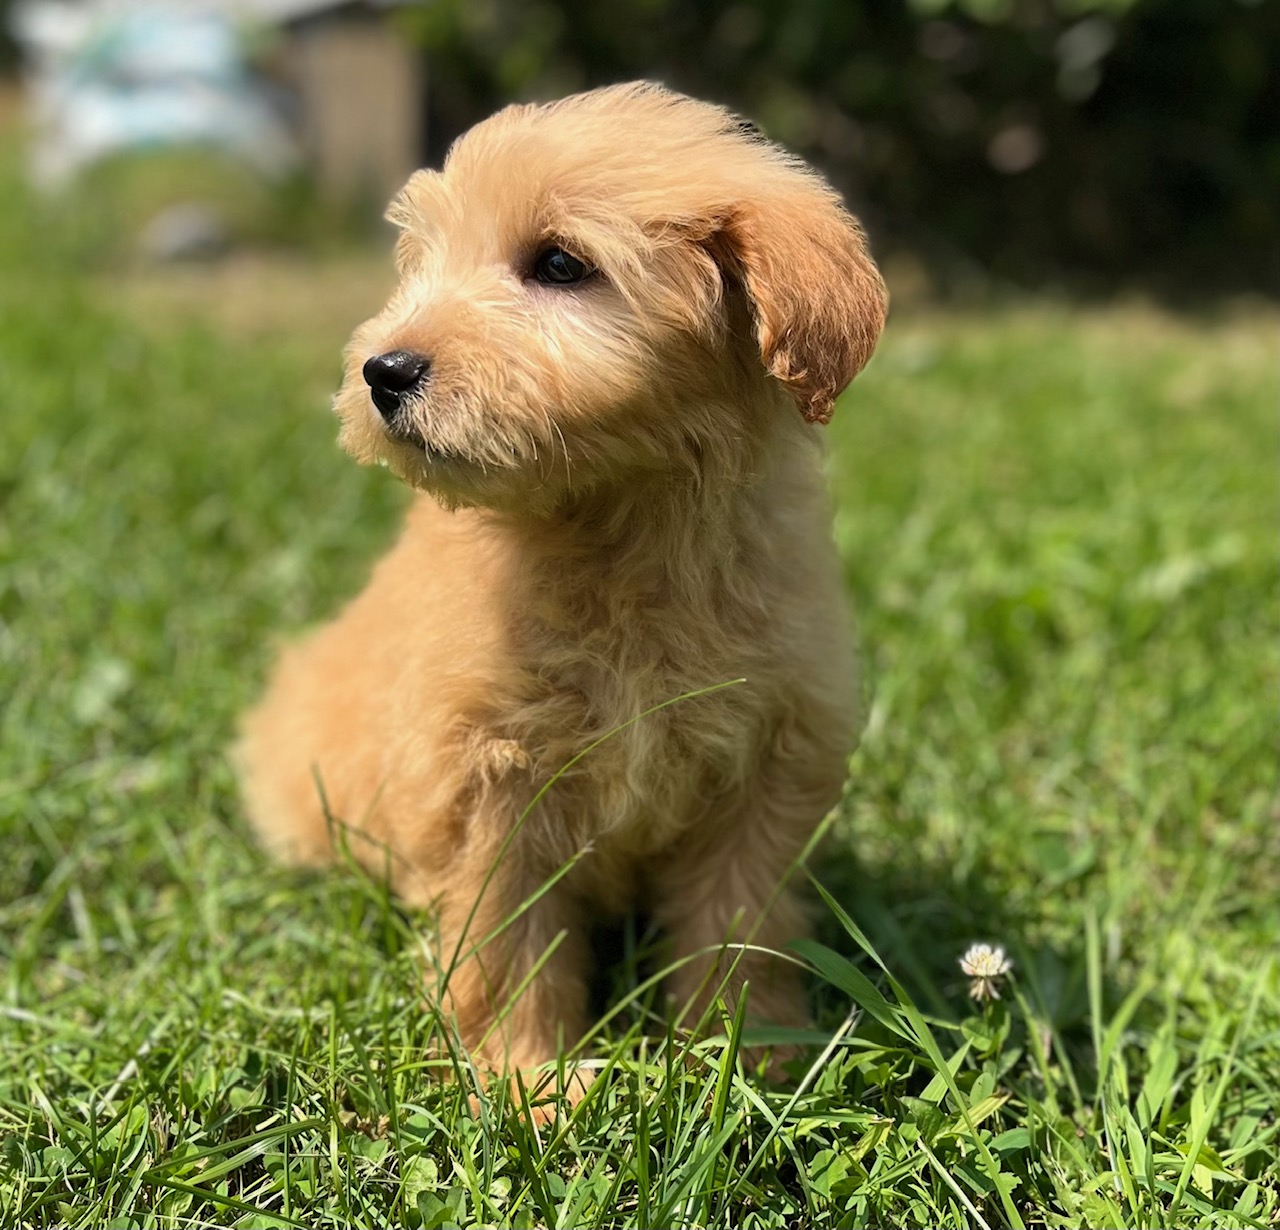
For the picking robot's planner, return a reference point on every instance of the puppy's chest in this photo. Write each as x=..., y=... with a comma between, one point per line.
x=655, y=692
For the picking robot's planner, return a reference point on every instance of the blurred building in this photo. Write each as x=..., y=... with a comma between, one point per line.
x=328, y=85
x=360, y=90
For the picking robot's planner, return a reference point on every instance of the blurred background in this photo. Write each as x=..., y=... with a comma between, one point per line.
x=1073, y=145
x=1056, y=492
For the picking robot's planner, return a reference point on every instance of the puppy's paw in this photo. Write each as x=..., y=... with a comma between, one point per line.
x=496, y=759
x=547, y=1094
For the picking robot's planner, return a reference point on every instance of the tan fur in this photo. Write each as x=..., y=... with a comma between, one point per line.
x=630, y=509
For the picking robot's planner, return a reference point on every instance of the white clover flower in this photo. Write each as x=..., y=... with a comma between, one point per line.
x=984, y=965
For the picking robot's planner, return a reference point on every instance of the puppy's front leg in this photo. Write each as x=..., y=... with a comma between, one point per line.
x=722, y=889
x=513, y=964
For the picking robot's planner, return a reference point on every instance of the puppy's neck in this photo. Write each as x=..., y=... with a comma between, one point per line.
x=674, y=539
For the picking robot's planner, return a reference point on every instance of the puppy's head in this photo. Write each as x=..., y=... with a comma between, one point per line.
x=627, y=280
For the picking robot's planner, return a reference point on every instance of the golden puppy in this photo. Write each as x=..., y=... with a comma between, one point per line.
x=619, y=318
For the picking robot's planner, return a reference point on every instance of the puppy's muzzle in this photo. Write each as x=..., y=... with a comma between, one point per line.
x=394, y=378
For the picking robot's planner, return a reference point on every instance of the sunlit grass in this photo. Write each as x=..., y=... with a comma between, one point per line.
x=1059, y=529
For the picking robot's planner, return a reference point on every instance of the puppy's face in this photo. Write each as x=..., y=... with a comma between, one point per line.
x=619, y=282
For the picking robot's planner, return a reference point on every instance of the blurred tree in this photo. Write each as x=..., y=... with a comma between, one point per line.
x=8, y=48
x=1080, y=142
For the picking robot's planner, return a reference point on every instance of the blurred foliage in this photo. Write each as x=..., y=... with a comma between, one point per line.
x=119, y=202
x=8, y=47
x=1079, y=142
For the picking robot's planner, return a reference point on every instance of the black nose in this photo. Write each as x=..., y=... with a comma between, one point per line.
x=391, y=377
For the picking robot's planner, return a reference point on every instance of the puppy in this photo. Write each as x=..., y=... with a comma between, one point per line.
x=619, y=318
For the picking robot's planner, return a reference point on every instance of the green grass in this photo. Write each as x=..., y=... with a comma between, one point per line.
x=1059, y=527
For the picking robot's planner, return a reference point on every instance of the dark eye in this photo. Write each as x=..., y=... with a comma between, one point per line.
x=555, y=267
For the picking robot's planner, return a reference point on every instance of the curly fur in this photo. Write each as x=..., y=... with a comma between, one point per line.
x=619, y=504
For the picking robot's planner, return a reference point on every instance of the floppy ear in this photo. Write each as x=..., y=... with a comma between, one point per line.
x=817, y=298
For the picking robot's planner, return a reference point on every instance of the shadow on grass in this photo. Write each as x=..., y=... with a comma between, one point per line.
x=921, y=918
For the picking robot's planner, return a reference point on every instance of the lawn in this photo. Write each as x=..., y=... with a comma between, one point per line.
x=1059, y=526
